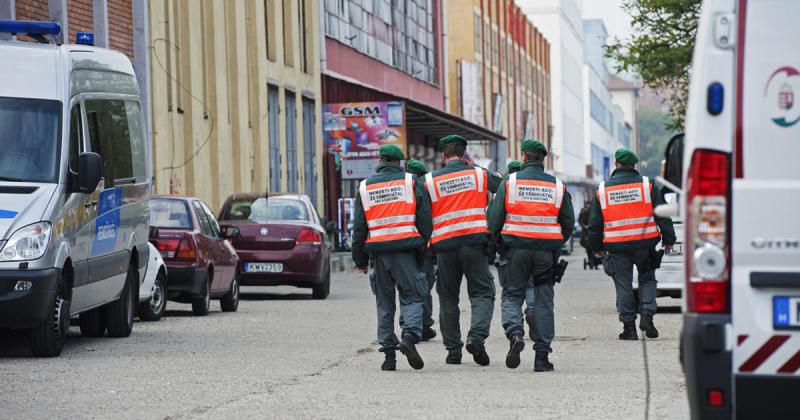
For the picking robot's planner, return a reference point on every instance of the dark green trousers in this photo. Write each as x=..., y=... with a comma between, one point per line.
x=452, y=266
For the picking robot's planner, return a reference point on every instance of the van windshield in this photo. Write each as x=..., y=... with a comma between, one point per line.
x=29, y=139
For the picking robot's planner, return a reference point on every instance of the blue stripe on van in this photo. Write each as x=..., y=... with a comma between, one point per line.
x=8, y=214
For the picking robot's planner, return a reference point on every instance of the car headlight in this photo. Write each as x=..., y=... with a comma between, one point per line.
x=28, y=243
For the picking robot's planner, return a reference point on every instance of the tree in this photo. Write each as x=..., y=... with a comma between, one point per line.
x=653, y=138
x=660, y=49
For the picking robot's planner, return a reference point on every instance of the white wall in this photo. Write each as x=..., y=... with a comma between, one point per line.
x=560, y=22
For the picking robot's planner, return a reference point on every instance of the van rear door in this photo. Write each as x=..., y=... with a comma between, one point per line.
x=765, y=211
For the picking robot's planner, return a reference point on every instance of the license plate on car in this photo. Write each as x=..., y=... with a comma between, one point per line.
x=263, y=267
x=786, y=312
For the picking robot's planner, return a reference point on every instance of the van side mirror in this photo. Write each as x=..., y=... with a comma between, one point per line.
x=154, y=233
x=673, y=161
x=90, y=172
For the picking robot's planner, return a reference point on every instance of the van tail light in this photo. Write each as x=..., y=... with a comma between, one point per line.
x=707, y=238
x=309, y=237
x=187, y=250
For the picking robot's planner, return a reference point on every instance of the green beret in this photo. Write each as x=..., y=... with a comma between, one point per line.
x=534, y=146
x=625, y=157
x=451, y=139
x=416, y=167
x=391, y=152
x=514, y=166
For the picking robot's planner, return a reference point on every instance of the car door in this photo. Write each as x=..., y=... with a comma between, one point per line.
x=211, y=245
x=228, y=255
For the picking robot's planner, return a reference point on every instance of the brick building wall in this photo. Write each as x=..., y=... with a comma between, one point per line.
x=80, y=15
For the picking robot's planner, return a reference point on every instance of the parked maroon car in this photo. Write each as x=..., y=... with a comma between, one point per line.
x=280, y=241
x=201, y=262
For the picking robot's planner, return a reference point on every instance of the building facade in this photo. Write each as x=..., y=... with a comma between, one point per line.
x=236, y=98
x=560, y=23
x=498, y=71
x=605, y=128
x=627, y=96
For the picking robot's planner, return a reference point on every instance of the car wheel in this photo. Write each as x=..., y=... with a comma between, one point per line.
x=119, y=314
x=202, y=304
x=155, y=307
x=230, y=302
x=93, y=323
x=324, y=289
x=47, y=338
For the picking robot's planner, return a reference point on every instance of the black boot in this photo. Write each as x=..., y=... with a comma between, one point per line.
x=390, y=363
x=478, y=352
x=629, y=331
x=410, y=351
x=515, y=346
x=646, y=325
x=529, y=321
x=541, y=363
x=428, y=333
x=453, y=358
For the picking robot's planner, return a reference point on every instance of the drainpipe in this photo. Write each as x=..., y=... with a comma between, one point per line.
x=445, y=58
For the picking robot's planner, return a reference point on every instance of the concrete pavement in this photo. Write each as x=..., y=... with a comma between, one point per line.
x=284, y=355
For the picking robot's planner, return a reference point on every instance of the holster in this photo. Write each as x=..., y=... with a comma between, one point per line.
x=552, y=275
x=653, y=261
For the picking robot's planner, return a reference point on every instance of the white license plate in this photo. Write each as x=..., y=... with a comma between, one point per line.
x=786, y=312
x=263, y=268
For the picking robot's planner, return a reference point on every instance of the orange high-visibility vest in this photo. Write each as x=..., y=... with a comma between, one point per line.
x=390, y=209
x=532, y=208
x=458, y=203
x=627, y=212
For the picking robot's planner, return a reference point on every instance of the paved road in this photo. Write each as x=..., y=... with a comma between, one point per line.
x=284, y=355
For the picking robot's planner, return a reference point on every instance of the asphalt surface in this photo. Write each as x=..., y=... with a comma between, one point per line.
x=284, y=355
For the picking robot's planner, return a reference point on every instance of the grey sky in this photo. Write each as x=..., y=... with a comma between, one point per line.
x=618, y=23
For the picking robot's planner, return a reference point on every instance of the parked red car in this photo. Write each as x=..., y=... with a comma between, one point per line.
x=201, y=262
x=280, y=241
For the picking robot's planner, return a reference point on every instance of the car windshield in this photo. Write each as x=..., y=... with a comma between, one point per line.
x=29, y=139
x=259, y=211
x=169, y=213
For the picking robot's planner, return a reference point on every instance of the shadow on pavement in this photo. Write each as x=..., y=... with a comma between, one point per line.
x=275, y=296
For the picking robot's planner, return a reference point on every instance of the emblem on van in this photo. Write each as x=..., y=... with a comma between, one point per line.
x=775, y=243
x=264, y=231
x=781, y=86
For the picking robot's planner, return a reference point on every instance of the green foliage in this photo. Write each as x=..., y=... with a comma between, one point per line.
x=660, y=49
x=653, y=138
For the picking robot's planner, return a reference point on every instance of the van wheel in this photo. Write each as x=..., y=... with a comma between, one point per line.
x=323, y=290
x=156, y=306
x=47, y=338
x=201, y=305
x=93, y=323
x=230, y=302
x=119, y=314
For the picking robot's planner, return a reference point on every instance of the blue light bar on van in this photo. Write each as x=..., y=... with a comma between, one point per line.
x=30, y=27
x=716, y=98
x=84, y=38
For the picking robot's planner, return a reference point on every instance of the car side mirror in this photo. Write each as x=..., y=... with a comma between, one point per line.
x=230, y=232
x=153, y=232
x=330, y=226
x=90, y=172
x=673, y=161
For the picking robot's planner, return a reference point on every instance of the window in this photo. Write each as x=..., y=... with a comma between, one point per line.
x=115, y=134
x=205, y=224
x=75, y=136
x=494, y=47
x=291, y=142
x=30, y=130
x=212, y=220
x=304, y=18
x=269, y=26
x=598, y=110
x=310, y=149
x=478, y=27
x=275, y=158
x=262, y=210
x=169, y=213
x=288, y=33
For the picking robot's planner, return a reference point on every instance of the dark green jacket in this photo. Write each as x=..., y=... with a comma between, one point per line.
x=627, y=176
x=497, y=214
x=361, y=250
x=475, y=238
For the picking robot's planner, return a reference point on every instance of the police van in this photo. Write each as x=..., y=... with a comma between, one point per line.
x=739, y=170
x=74, y=188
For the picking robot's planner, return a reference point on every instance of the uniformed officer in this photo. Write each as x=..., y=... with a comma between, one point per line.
x=393, y=225
x=459, y=194
x=622, y=223
x=419, y=170
x=531, y=217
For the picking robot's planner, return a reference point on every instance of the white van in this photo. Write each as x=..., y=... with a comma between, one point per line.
x=741, y=164
x=74, y=188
